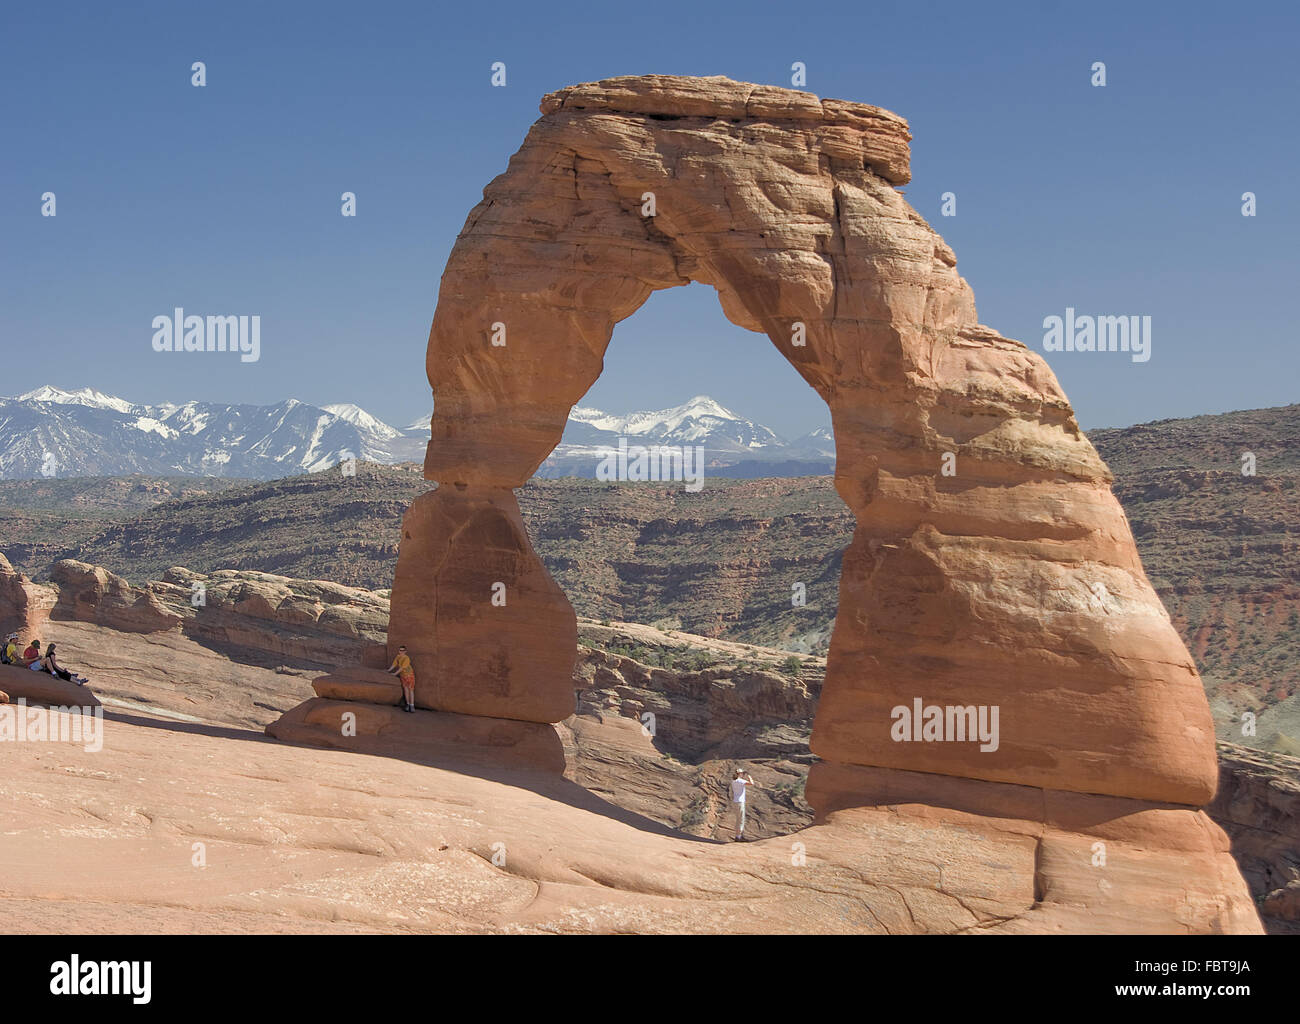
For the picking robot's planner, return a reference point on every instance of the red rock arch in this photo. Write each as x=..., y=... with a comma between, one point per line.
x=1014, y=583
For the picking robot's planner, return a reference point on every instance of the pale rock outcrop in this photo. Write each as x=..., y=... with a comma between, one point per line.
x=718, y=711
x=305, y=620
x=314, y=621
x=90, y=593
x=24, y=606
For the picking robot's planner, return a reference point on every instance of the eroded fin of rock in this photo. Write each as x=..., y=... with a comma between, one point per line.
x=991, y=566
x=1013, y=582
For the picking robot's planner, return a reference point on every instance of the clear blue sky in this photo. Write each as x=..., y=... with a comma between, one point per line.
x=225, y=199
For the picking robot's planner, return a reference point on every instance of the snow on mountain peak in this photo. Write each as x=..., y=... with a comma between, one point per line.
x=362, y=420
x=418, y=427
x=656, y=421
x=703, y=405
x=82, y=396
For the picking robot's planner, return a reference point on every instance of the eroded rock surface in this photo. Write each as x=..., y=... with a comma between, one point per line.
x=314, y=621
x=24, y=606
x=1258, y=805
x=484, y=622
x=1013, y=582
x=300, y=839
x=931, y=853
x=90, y=593
x=262, y=614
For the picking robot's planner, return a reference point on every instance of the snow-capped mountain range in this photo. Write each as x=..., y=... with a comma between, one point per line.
x=57, y=433
x=733, y=445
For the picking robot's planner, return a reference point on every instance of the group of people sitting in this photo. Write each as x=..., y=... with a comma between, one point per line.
x=33, y=659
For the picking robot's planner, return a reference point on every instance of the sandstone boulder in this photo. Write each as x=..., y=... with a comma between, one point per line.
x=360, y=684
x=1283, y=904
x=90, y=593
x=43, y=688
x=306, y=620
x=24, y=606
x=426, y=736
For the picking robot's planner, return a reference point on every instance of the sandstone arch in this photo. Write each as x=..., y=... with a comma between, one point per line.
x=1014, y=583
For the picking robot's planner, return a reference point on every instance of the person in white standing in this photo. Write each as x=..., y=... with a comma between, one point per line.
x=739, y=785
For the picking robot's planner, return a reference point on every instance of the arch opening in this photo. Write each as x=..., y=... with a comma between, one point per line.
x=757, y=528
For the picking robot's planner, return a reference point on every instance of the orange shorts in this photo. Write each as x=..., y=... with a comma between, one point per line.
x=407, y=678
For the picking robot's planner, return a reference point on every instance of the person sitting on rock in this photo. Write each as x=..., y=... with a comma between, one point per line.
x=401, y=667
x=50, y=665
x=32, y=655
x=10, y=655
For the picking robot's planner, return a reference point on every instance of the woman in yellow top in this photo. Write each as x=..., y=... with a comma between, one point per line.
x=401, y=667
